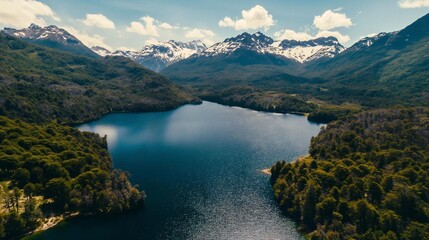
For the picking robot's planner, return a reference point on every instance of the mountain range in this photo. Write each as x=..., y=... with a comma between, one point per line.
x=157, y=56
x=300, y=51
x=385, y=69
x=379, y=71
x=160, y=55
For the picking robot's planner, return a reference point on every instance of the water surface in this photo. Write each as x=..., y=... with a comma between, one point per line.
x=199, y=166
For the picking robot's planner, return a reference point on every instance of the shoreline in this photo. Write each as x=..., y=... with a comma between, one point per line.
x=50, y=222
x=55, y=220
x=100, y=116
x=267, y=171
x=305, y=114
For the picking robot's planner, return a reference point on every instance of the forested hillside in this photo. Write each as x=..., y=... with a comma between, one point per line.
x=367, y=178
x=40, y=84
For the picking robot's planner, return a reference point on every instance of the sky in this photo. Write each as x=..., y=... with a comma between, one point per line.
x=132, y=24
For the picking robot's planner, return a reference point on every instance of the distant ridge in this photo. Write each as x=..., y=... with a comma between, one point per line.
x=53, y=37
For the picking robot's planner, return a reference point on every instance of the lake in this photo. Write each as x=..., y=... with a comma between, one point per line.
x=200, y=168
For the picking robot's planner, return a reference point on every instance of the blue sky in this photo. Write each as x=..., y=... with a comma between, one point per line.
x=131, y=24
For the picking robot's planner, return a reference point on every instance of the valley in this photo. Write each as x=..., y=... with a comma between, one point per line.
x=210, y=187
x=168, y=142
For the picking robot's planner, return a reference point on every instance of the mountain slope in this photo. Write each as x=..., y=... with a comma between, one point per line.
x=53, y=37
x=382, y=48
x=40, y=84
x=394, y=64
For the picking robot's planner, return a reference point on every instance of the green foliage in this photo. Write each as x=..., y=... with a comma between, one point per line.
x=269, y=101
x=58, y=189
x=39, y=84
x=366, y=178
x=71, y=169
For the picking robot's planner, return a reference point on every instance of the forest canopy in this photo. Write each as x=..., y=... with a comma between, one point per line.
x=55, y=168
x=367, y=177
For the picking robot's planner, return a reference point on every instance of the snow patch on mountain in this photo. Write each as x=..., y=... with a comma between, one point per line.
x=171, y=51
x=369, y=41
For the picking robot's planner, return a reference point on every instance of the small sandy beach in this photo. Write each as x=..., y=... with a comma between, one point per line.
x=267, y=171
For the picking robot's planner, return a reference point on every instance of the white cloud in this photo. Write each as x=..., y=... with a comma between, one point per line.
x=149, y=26
x=331, y=19
x=126, y=49
x=227, y=22
x=413, y=3
x=201, y=34
x=343, y=39
x=166, y=26
x=370, y=35
x=254, y=18
x=197, y=33
x=146, y=28
x=292, y=35
x=155, y=30
x=303, y=36
x=88, y=40
x=21, y=13
x=98, y=20
x=151, y=41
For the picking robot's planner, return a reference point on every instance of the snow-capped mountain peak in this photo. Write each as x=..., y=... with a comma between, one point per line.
x=34, y=26
x=51, y=33
x=301, y=51
x=255, y=42
x=157, y=56
x=51, y=36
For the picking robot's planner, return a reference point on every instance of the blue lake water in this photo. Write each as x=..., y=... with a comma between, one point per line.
x=200, y=167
